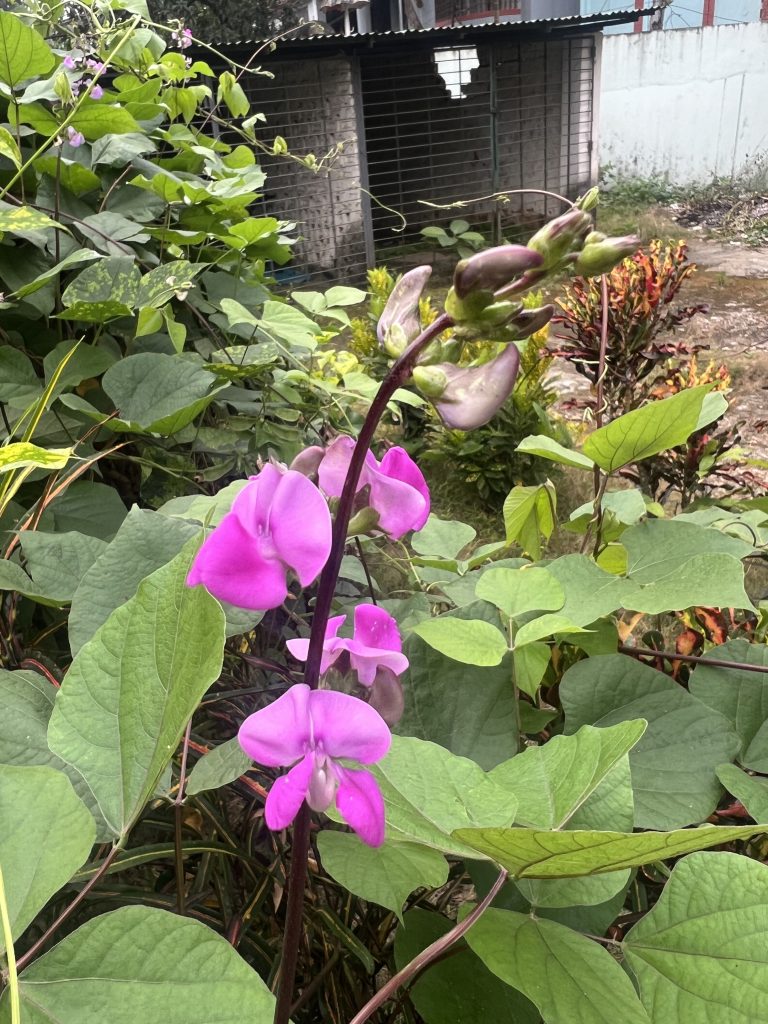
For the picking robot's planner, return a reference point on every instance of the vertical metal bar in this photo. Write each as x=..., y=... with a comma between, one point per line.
x=362, y=158
x=334, y=239
x=594, y=135
x=570, y=70
x=494, y=140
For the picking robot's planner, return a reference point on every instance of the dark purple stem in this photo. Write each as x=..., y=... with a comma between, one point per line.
x=397, y=376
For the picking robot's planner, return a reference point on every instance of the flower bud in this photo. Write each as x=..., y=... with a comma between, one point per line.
x=467, y=309
x=499, y=313
x=386, y=696
x=594, y=237
x=307, y=462
x=589, y=200
x=474, y=394
x=601, y=257
x=489, y=270
x=528, y=321
x=430, y=380
x=560, y=236
x=62, y=88
x=402, y=310
x=528, y=280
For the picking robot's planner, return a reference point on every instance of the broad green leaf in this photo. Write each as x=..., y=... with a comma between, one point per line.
x=57, y=562
x=470, y=641
x=740, y=695
x=23, y=219
x=119, y=150
x=286, y=323
x=204, y=508
x=95, y=119
x=13, y=577
x=529, y=515
x=9, y=148
x=27, y=700
x=74, y=259
x=23, y=52
x=46, y=836
x=471, y=713
x=166, y=282
x=70, y=174
x=459, y=988
x=590, y=592
x=530, y=663
x=674, y=763
x=571, y=979
x=87, y=507
x=700, y=953
x=143, y=964
x=750, y=791
x=114, y=235
x=103, y=291
x=515, y=591
x=646, y=431
x=546, y=448
x=343, y=295
x=429, y=792
x=19, y=384
x=443, y=538
x=386, y=875
x=543, y=626
x=625, y=508
x=528, y=853
x=220, y=766
x=22, y=454
x=132, y=688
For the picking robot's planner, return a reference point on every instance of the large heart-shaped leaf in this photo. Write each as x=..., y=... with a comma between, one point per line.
x=134, y=685
x=23, y=52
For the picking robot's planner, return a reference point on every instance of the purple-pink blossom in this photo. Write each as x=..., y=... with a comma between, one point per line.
x=74, y=137
x=69, y=62
x=278, y=523
x=97, y=92
x=375, y=645
x=396, y=489
x=310, y=731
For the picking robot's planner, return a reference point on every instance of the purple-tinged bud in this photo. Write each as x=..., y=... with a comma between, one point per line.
x=594, y=237
x=529, y=321
x=474, y=394
x=431, y=380
x=523, y=284
x=559, y=236
x=402, y=311
x=386, y=695
x=499, y=313
x=602, y=257
x=307, y=462
x=494, y=268
x=589, y=200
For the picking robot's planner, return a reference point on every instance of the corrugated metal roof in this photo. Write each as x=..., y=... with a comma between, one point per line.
x=570, y=21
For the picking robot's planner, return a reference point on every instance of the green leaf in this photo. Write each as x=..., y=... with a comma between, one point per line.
x=472, y=641
x=114, y=235
x=69, y=174
x=103, y=291
x=168, y=281
x=443, y=538
x=58, y=561
x=143, y=964
x=282, y=321
x=159, y=393
x=119, y=150
x=132, y=688
x=386, y=875
x=23, y=52
x=27, y=700
x=699, y=954
x=220, y=766
x=530, y=663
x=590, y=592
x=472, y=714
x=543, y=626
x=429, y=792
x=9, y=149
x=459, y=988
x=87, y=507
x=46, y=836
x=571, y=979
x=13, y=577
x=673, y=765
x=19, y=384
x=647, y=431
x=23, y=219
x=515, y=591
x=750, y=791
x=529, y=514
x=95, y=119
x=20, y=454
x=72, y=260
x=740, y=695
x=527, y=853
x=546, y=448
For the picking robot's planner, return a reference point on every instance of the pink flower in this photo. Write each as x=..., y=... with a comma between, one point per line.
x=97, y=92
x=74, y=137
x=376, y=645
x=96, y=66
x=69, y=62
x=186, y=38
x=311, y=730
x=278, y=522
x=398, y=492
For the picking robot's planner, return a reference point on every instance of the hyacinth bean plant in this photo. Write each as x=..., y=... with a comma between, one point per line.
x=278, y=742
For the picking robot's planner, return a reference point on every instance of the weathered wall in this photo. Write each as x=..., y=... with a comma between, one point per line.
x=686, y=105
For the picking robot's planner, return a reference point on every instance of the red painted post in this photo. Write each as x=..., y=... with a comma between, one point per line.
x=639, y=4
x=709, y=13
x=764, y=10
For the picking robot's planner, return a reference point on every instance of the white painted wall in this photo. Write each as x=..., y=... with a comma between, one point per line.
x=686, y=105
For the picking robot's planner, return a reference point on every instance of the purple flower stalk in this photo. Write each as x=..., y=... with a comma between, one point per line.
x=311, y=730
x=279, y=522
x=397, y=490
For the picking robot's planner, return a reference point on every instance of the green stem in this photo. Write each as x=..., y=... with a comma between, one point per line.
x=13, y=981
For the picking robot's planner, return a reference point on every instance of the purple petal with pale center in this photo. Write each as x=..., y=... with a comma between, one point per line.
x=233, y=566
x=280, y=733
x=287, y=794
x=300, y=524
x=360, y=803
x=345, y=726
x=322, y=785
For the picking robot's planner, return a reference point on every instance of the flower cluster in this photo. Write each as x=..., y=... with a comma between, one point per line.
x=95, y=67
x=182, y=39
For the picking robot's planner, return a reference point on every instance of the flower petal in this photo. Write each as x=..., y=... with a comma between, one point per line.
x=281, y=732
x=361, y=804
x=366, y=661
x=333, y=468
x=300, y=525
x=233, y=568
x=251, y=505
x=375, y=627
x=348, y=727
x=399, y=465
x=299, y=647
x=287, y=794
x=400, y=506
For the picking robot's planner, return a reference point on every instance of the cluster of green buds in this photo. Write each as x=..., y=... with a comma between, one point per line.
x=484, y=305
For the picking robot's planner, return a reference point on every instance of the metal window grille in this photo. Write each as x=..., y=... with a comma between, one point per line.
x=423, y=124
